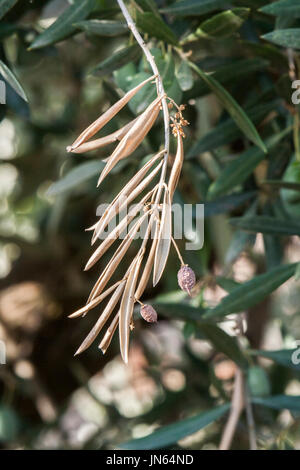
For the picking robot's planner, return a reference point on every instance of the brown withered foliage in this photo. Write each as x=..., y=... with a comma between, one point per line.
x=153, y=210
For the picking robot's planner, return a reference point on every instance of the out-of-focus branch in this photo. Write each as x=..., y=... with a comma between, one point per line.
x=237, y=406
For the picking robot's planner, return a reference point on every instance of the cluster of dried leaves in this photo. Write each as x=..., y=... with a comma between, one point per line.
x=154, y=209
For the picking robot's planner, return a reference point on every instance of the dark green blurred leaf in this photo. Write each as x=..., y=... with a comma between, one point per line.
x=194, y=7
x=166, y=67
x=9, y=424
x=266, y=51
x=235, y=72
x=226, y=203
x=6, y=29
x=184, y=76
x=148, y=5
x=265, y=224
x=178, y=311
x=283, y=184
x=228, y=130
x=237, y=171
x=152, y=24
x=279, y=402
x=252, y=292
x=170, y=434
x=258, y=382
x=75, y=177
x=233, y=108
x=12, y=80
x=117, y=60
x=285, y=357
x=102, y=27
x=284, y=37
x=274, y=250
x=226, y=283
x=283, y=7
x=5, y=6
x=219, y=339
x=64, y=25
x=223, y=342
x=223, y=24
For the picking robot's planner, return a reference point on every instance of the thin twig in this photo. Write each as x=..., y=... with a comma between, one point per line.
x=160, y=88
x=250, y=421
x=237, y=405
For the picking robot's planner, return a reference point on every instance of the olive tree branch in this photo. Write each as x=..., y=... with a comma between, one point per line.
x=160, y=86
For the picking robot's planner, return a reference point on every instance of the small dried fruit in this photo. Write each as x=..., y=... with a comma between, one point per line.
x=148, y=313
x=186, y=278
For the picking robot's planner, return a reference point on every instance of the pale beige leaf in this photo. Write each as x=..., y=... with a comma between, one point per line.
x=109, y=334
x=94, y=303
x=102, y=319
x=133, y=138
x=176, y=168
x=126, y=308
x=107, y=116
x=115, y=233
x=112, y=210
x=116, y=259
x=149, y=265
x=123, y=201
x=103, y=141
x=164, y=239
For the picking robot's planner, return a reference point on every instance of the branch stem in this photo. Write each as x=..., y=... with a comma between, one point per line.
x=237, y=405
x=160, y=89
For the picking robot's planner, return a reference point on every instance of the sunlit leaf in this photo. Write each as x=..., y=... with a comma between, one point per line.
x=223, y=24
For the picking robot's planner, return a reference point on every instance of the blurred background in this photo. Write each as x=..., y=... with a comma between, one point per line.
x=48, y=398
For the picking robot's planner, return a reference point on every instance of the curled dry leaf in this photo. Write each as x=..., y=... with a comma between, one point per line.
x=176, y=168
x=149, y=263
x=109, y=334
x=164, y=238
x=126, y=307
x=133, y=138
x=103, y=141
x=130, y=288
x=102, y=319
x=116, y=259
x=122, y=201
x=112, y=236
x=107, y=116
x=82, y=311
